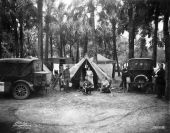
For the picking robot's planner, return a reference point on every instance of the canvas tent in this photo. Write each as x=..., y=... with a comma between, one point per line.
x=105, y=64
x=78, y=70
x=102, y=60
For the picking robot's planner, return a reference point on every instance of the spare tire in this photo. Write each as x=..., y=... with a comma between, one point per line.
x=141, y=79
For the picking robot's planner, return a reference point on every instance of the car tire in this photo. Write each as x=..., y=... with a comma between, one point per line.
x=21, y=91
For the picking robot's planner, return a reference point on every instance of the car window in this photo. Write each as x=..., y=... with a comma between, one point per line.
x=146, y=65
x=140, y=65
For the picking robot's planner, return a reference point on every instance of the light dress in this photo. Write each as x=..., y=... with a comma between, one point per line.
x=89, y=75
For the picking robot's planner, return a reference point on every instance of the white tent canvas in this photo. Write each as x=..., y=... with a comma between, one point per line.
x=107, y=68
x=102, y=60
x=75, y=69
x=105, y=64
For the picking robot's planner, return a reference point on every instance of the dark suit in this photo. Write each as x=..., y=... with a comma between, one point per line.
x=66, y=75
x=124, y=76
x=160, y=82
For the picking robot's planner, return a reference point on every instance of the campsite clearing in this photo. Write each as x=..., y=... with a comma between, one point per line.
x=73, y=112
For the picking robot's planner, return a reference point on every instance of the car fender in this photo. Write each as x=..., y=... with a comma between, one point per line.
x=26, y=82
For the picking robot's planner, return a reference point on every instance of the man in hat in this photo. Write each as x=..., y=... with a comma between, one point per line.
x=124, y=76
x=66, y=76
x=160, y=81
x=55, y=79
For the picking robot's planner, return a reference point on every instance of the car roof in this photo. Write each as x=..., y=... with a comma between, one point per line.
x=17, y=60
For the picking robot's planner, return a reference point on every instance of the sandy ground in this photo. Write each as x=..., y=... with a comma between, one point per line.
x=73, y=112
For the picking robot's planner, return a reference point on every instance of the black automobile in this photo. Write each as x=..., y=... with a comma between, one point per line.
x=140, y=71
x=22, y=76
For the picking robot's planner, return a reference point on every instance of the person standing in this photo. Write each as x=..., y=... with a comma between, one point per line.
x=160, y=81
x=89, y=75
x=55, y=79
x=66, y=76
x=61, y=80
x=124, y=76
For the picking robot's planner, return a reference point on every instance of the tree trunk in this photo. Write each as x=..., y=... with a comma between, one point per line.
x=155, y=38
x=85, y=44
x=77, y=54
x=30, y=48
x=118, y=67
x=131, y=42
x=70, y=50
x=104, y=41
x=51, y=48
x=16, y=41
x=113, y=22
x=113, y=71
x=141, y=51
x=47, y=36
x=51, y=45
x=140, y=56
x=21, y=39
x=131, y=31
x=0, y=39
x=61, y=45
x=92, y=9
x=28, y=39
x=40, y=28
x=105, y=48
x=1, y=35
x=0, y=45
x=64, y=51
x=64, y=45
x=114, y=45
x=167, y=53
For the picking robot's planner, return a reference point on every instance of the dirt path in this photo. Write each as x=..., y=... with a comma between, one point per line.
x=97, y=113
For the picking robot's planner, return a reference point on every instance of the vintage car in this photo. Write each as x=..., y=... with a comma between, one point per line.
x=22, y=76
x=140, y=71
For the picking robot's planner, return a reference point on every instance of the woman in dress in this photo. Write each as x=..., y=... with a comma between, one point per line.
x=89, y=75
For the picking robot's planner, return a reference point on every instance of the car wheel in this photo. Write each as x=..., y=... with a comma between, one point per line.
x=21, y=91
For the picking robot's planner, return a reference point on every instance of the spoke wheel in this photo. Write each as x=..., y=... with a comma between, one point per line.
x=21, y=91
